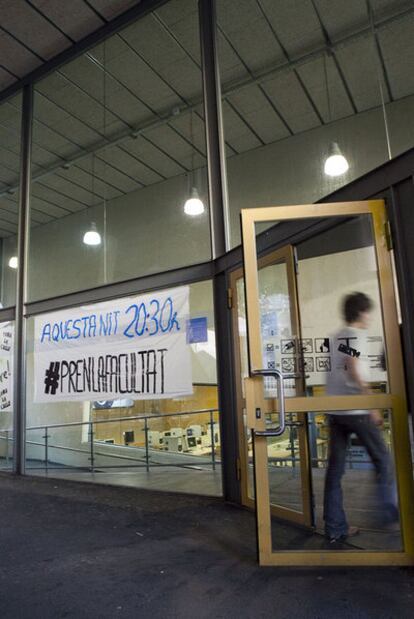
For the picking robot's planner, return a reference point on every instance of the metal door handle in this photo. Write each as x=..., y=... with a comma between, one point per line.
x=280, y=378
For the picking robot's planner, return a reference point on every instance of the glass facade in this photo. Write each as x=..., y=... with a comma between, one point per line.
x=118, y=149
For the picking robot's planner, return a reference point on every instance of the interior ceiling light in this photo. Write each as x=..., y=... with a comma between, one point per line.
x=194, y=205
x=13, y=262
x=92, y=236
x=336, y=164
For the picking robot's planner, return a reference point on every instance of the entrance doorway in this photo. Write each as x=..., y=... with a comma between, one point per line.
x=300, y=262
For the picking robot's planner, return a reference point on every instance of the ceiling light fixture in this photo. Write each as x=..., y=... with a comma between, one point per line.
x=193, y=205
x=13, y=262
x=335, y=164
x=92, y=236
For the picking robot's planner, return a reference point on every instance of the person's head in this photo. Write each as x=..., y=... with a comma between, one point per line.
x=356, y=308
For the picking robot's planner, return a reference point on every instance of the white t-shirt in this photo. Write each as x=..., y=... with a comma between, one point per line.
x=346, y=343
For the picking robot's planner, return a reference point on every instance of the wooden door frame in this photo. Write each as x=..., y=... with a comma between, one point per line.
x=395, y=400
x=305, y=517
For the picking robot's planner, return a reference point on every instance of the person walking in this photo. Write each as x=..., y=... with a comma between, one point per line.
x=349, y=376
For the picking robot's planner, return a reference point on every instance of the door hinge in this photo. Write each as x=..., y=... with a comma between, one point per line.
x=230, y=298
x=295, y=260
x=388, y=236
x=238, y=469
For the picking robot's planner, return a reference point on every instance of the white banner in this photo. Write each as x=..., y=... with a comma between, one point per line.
x=6, y=365
x=132, y=348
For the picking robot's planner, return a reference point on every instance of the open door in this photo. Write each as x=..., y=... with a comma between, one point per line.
x=288, y=454
x=292, y=312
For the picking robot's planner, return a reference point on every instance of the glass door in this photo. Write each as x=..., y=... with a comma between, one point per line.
x=287, y=454
x=339, y=371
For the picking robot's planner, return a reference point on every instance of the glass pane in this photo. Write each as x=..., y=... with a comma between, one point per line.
x=284, y=463
x=353, y=481
x=10, y=120
x=335, y=259
x=340, y=308
x=278, y=344
x=164, y=443
x=293, y=102
x=118, y=149
x=6, y=395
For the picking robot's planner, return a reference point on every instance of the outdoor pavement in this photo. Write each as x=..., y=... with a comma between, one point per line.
x=80, y=550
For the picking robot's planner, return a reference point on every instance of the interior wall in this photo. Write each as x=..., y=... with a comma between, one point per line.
x=291, y=171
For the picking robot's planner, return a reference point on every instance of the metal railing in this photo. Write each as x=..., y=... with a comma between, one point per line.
x=93, y=452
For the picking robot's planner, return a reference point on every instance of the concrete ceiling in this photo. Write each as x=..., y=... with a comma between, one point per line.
x=135, y=101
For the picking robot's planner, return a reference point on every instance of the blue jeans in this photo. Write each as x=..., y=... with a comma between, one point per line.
x=341, y=427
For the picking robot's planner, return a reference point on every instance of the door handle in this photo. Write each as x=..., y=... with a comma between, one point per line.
x=280, y=378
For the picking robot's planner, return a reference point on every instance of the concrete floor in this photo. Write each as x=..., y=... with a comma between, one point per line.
x=87, y=551
x=198, y=480
x=360, y=496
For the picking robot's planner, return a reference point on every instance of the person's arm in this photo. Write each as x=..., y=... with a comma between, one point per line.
x=354, y=365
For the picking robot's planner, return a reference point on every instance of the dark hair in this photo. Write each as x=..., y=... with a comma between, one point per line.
x=354, y=304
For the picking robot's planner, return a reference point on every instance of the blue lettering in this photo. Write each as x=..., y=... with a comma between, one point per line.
x=92, y=325
x=76, y=328
x=45, y=332
x=116, y=314
x=85, y=323
x=153, y=317
x=68, y=326
x=103, y=324
x=55, y=332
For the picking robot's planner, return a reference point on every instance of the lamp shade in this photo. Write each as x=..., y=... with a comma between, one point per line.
x=13, y=263
x=92, y=236
x=194, y=206
x=335, y=164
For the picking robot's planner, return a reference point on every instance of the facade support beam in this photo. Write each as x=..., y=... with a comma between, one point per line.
x=19, y=386
x=219, y=217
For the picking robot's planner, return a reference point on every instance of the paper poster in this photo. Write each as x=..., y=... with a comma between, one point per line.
x=133, y=348
x=6, y=366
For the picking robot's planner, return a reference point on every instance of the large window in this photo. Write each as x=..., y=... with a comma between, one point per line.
x=118, y=149
x=10, y=119
x=168, y=443
x=323, y=81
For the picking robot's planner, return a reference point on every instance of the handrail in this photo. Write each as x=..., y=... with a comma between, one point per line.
x=134, y=418
x=92, y=443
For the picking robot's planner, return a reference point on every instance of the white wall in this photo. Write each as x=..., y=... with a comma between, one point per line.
x=291, y=171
